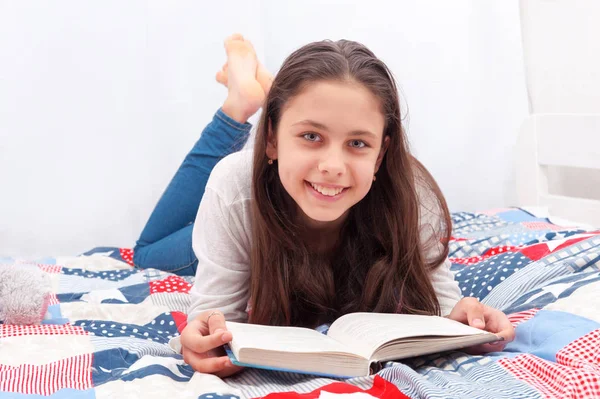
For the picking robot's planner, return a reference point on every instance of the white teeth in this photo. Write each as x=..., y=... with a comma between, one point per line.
x=328, y=191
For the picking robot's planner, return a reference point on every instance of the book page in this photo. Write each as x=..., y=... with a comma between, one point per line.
x=368, y=331
x=282, y=339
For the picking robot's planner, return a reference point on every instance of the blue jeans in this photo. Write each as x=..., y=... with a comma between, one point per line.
x=166, y=241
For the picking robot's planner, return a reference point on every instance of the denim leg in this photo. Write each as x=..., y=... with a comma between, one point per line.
x=166, y=240
x=172, y=254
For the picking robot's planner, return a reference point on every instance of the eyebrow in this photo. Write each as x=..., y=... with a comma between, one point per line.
x=318, y=125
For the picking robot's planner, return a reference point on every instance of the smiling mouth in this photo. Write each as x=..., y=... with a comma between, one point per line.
x=327, y=191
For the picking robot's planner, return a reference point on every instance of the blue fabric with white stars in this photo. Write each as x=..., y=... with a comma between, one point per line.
x=116, y=275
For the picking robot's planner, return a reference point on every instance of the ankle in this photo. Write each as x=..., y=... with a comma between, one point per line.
x=235, y=110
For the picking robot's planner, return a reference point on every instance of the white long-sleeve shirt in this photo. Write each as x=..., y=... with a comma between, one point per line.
x=222, y=243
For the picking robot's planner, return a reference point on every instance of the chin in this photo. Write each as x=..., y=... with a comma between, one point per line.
x=324, y=216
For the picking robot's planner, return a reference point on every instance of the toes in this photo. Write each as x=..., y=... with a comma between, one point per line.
x=222, y=75
x=222, y=78
x=235, y=36
x=250, y=45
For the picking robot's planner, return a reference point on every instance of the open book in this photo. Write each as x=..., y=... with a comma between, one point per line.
x=353, y=346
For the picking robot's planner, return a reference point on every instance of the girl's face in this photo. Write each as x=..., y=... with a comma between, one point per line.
x=329, y=144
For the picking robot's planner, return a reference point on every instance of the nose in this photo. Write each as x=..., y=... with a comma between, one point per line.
x=332, y=163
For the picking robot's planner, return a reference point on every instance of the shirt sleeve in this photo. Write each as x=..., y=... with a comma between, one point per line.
x=446, y=288
x=221, y=245
x=431, y=230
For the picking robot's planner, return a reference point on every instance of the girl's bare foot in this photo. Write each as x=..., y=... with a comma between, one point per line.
x=245, y=93
x=263, y=76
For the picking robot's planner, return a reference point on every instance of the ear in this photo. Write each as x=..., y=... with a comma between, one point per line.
x=271, y=150
x=384, y=147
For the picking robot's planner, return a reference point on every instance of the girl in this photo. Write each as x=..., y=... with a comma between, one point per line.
x=329, y=214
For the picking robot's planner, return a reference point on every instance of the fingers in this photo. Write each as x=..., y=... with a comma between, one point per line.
x=200, y=344
x=469, y=311
x=501, y=325
x=215, y=333
x=211, y=362
x=215, y=320
x=229, y=370
x=496, y=322
x=204, y=363
x=497, y=346
x=476, y=316
x=202, y=341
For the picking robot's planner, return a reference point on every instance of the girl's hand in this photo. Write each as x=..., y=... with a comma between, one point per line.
x=202, y=342
x=472, y=312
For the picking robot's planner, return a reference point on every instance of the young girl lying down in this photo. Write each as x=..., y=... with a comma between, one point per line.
x=329, y=214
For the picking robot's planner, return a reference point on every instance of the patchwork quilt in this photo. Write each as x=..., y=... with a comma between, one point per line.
x=107, y=331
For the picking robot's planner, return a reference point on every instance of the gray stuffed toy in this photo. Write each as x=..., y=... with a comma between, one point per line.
x=24, y=294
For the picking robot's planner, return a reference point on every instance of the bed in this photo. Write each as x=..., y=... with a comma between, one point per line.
x=108, y=327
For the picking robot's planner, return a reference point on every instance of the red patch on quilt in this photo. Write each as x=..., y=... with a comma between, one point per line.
x=170, y=284
x=584, y=352
x=520, y=317
x=538, y=251
x=555, y=380
x=127, y=255
x=180, y=320
x=381, y=389
x=487, y=254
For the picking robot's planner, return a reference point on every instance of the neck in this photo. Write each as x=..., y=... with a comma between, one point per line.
x=322, y=237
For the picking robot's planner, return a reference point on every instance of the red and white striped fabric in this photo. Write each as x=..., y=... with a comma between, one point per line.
x=9, y=330
x=520, y=317
x=53, y=269
x=53, y=299
x=74, y=372
x=541, y=226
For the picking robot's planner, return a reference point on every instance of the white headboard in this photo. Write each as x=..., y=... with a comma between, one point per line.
x=562, y=58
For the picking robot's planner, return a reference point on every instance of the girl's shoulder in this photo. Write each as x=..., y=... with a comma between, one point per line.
x=231, y=178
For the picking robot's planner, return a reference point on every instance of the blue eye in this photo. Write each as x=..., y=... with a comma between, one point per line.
x=312, y=137
x=357, y=144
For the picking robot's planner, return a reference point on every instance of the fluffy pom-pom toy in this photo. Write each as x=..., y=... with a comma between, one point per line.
x=24, y=294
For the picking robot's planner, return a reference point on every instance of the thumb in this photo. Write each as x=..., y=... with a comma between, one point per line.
x=476, y=317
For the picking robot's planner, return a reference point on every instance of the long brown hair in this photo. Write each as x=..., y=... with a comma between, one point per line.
x=379, y=262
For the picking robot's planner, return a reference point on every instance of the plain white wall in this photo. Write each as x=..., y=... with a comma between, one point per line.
x=100, y=101
x=562, y=55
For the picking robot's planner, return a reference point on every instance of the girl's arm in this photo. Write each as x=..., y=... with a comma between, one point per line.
x=446, y=288
x=442, y=279
x=221, y=242
x=432, y=228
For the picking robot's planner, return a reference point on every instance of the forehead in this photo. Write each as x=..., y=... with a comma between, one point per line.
x=340, y=106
